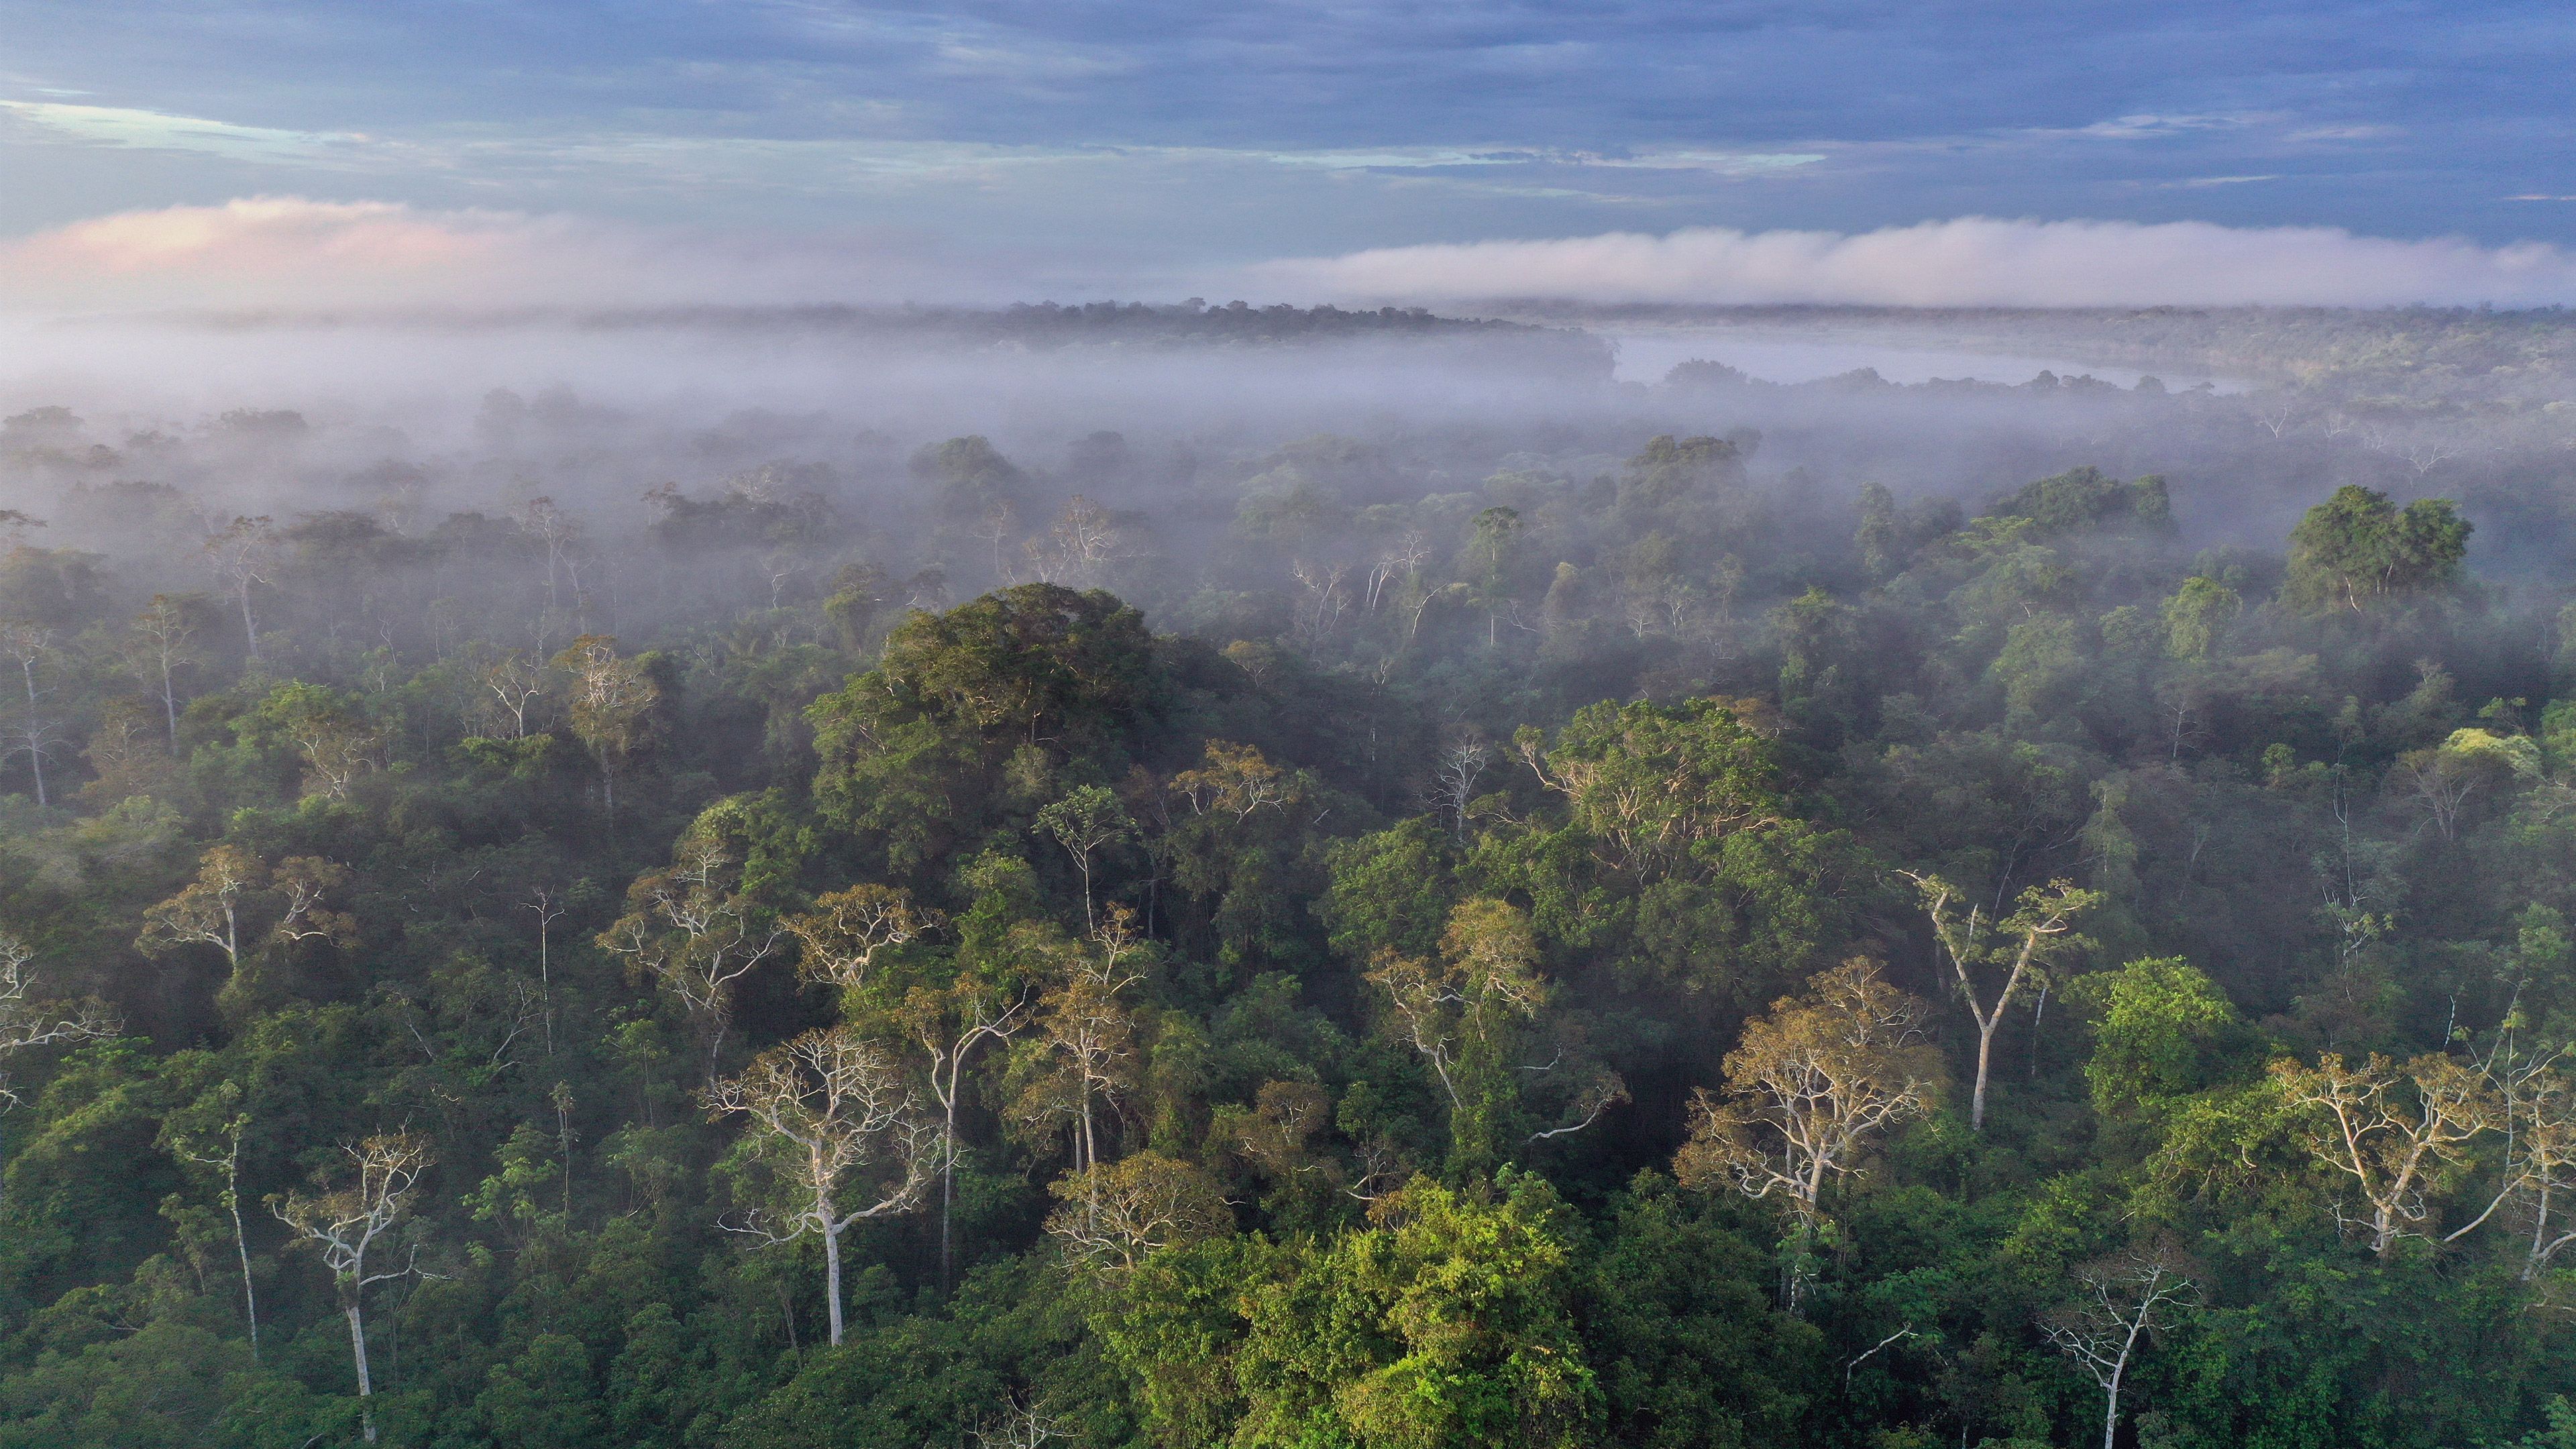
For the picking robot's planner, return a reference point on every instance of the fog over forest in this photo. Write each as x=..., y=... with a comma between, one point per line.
x=1178, y=875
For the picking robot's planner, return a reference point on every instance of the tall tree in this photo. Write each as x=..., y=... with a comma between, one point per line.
x=2040, y=931
x=361, y=1216
x=823, y=1107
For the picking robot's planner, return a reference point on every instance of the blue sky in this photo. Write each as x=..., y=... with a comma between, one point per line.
x=1145, y=139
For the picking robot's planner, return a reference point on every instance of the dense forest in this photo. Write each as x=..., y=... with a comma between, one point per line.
x=1537, y=931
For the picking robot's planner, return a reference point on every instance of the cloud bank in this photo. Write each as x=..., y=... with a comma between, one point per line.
x=303, y=255
x=1969, y=262
x=291, y=252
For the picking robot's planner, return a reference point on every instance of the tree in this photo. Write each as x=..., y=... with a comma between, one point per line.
x=1652, y=784
x=209, y=1134
x=611, y=708
x=1085, y=822
x=335, y=744
x=1086, y=1042
x=950, y=1023
x=2034, y=936
x=1447, y=1324
x=823, y=1107
x=2126, y=1301
x=2197, y=616
x=2400, y=1133
x=1235, y=781
x=2357, y=548
x=207, y=911
x=517, y=685
x=1453, y=780
x=688, y=930
x=1113, y=1215
x=159, y=644
x=28, y=645
x=849, y=929
x=345, y=1224
x=245, y=555
x=1457, y=1012
x=28, y=1021
x=1810, y=1089
x=1490, y=550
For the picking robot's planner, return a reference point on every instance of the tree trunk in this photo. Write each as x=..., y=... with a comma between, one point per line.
x=35, y=740
x=366, y=1386
x=2111, y=1402
x=241, y=1245
x=947, y=1176
x=832, y=1270
x=250, y=635
x=1985, y=1054
x=170, y=707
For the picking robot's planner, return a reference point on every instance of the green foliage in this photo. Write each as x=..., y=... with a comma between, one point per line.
x=2358, y=548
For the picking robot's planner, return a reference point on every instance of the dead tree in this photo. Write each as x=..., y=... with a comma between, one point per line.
x=2126, y=1301
x=27, y=1021
x=349, y=1222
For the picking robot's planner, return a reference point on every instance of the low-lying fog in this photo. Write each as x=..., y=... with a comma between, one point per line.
x=143, y=436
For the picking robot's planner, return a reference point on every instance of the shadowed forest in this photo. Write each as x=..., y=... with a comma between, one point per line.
x=1701, y=913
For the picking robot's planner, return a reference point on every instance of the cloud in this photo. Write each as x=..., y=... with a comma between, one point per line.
x=291, y=252
x=158, y=131
x=1972, y=261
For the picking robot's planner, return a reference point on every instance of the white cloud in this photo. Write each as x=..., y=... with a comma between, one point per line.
x=294, y=253
x=1972, y=261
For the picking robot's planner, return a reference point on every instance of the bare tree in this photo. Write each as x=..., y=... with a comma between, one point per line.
x=848, y=929
x=2025, y=943
x=27, y=1021
x=1454, y=776
x=822, y=1107
x=1321, y=600
x=556, y=531
x=688, y=931
x=157, y=648
x=547, y=903
x=518, y=685
x=1079, y=547
x=1399, y=560
x=1020, y=1424
x=2400, y=1133
x=348, y=1222
x=2126, y=1301
x=245, y=556
x=29, y=645
x=950, y=1024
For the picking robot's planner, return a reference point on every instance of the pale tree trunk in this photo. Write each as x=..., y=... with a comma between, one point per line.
x=829, y=1222
x=35, y=733
x=947, y=1177
x=1985, y=1054
x=366, y=1385
x=241, y=1246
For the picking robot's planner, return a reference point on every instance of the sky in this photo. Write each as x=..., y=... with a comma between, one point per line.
x=274, y=152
